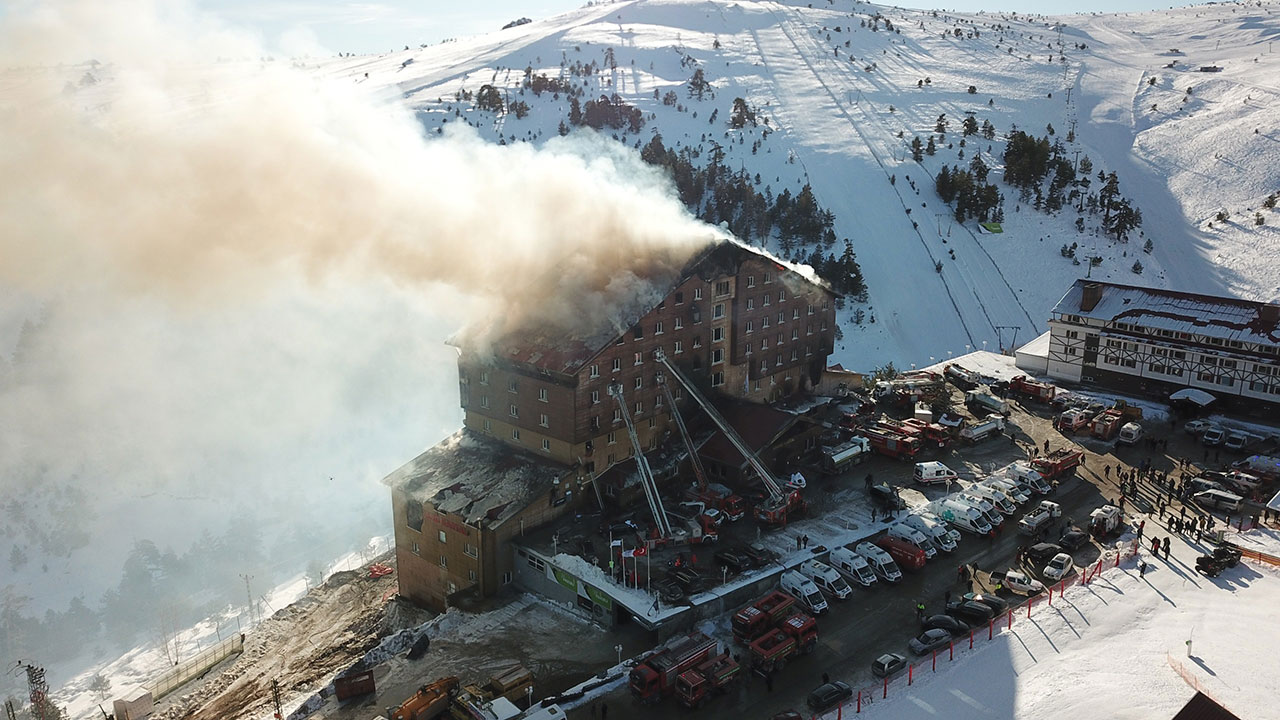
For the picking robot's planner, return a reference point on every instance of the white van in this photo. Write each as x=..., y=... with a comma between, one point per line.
x=880, y=561
x=1030, y=477
x=826, y=578
x=964, y=517
x=994, y=496
x=935, y=529
x=929, y=473
x=804, y=591
x=1218, y=500
x=1130, y=434
x=853, y=565
x=906, y=533
x=1009, y=487
x=983, y=506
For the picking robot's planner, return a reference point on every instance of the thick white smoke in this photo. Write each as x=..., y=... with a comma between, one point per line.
x=236, y=275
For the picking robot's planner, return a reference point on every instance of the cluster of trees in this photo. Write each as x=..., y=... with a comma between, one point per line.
x=540, y=83
x=1026, y=160
x=717, y=194
x=968, y=189
x=842, y=272
x=607, y=111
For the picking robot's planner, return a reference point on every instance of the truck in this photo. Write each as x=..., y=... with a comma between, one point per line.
x=1057, y=464
x=798, y=634
x=721, y=498
x=761, y=616
x=906, y=554
x=1106, y=424
x=1033, y=389
x=431, y=701
x=984, y=429
x=932, y=433
x=1104, y=521
x=1037, y=519
x=909, y=388
x=1130, y=434
x=656, y=674
x=981, y=401
x=961, y=377
x=892, y=444
x=851, y=452
x=693, y=687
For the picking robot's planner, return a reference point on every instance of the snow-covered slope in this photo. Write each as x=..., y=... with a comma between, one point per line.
x=837, y=87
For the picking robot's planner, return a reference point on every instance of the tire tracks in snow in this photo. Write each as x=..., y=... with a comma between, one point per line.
x=994, y=267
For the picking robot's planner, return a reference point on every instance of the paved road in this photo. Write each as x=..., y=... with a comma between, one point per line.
x=881, y=620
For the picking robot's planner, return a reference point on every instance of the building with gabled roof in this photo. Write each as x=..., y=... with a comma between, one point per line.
x=1149, y=340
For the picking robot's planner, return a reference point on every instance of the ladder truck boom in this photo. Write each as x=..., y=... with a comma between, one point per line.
x=694, y=460
x=775, y=490
x=646, y=474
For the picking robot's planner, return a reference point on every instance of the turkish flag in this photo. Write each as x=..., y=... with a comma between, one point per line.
x=642, y=550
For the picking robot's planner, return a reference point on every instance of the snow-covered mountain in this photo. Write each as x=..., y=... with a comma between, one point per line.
x=844, y=87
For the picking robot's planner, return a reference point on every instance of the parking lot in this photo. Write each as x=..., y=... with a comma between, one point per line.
x=883, y=618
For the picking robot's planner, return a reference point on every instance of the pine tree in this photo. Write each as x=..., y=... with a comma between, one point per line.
x=917, y=151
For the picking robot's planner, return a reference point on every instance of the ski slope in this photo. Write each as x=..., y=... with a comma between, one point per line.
x=835, y=117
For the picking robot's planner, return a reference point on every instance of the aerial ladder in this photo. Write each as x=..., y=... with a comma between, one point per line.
x=646, y=474
x=694, y=460
x=773, y=511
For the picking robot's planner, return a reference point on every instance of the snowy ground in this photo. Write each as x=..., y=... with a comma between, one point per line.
x=1117, y=648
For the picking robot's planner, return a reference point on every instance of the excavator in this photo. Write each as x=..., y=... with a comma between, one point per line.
x=430, y=702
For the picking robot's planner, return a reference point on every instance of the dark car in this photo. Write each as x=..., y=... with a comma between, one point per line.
x=670, y=591
x=955, y=626
x=1074, y=539
x=829, y=695
x=888, y=664
x=996, y=603
x=618, y=529
x=929, y=640
x=886, y=497
x=689, y=579
x=788, y=715
x=970, y=611
x=759, y=555
x=734, y=559
x=1041, y=553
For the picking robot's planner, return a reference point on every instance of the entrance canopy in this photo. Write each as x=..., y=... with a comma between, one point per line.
x=1196, y=397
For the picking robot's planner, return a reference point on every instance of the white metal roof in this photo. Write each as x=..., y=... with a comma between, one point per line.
x=1207, y=315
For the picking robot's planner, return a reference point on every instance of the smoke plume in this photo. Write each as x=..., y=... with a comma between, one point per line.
x=234, y=273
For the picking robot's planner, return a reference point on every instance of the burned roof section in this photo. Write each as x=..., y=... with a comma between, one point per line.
x=1228, y=319
x=480, y=479
x=566, y=349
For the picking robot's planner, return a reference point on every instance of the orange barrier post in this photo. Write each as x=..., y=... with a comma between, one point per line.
x=935, y=661
x=991, y=624
x=970, y=638
x=859, y=701
x=1010, y=618
x=886, y=689
x=910, y=674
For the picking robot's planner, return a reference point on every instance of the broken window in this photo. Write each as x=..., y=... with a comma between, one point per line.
x=413, y=514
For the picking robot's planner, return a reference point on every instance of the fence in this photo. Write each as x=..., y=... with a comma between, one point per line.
x=1001, y=623
x=1258, y=556
x=196, y=666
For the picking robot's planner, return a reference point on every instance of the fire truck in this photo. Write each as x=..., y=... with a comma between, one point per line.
x=770, y=652
x=1059, y=463
x=1034, y=389
x=761, y=616
x=694, y=686
x=656, y=675
x=891, y=443
x=930, y=432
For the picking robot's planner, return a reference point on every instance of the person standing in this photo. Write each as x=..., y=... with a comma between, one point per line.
x=919, y=610
x=1166, y=548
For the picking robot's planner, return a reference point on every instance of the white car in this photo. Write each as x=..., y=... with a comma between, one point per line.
x=1058, y=567
x=1020, y=582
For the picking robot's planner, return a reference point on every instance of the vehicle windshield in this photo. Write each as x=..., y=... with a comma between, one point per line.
x=891, y=567
x=840, y=585
x=814, y=599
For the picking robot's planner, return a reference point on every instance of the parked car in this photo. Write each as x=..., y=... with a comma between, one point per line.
x=1213, y=436
x=1195, y=427
x=670, y=591
x=759, y=555
x=929, y=640
x=1236, y=441
x=1058, y=567
x=955, y=626
x=1201, y=484
x=689, y=579
x=974, y=613
x=1041, y=552
x=788, y=715
x=734, y=559
x=888, y=664
x=1020, y=582
x=886, y=497
x=995, y=602
x=1074, y=539
x=829, y=695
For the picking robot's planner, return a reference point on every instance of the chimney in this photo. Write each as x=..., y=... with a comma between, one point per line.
x=1090, y=296
x=1269, y=314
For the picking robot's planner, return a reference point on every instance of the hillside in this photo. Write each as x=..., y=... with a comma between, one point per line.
x=841, y=89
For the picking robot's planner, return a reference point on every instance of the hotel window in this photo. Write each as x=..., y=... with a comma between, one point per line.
x=697, y=293
x=595, y=397
x=697, y=341
x=639, y=358
x=764, y=323
x=639, y=407
x=717, y=334
x=612, y=438
x=484, y=401
x=443, y=538
x=679, y=348
x=470, y=549
x=542, y=394
x=472, y=575
x=515, y=411
x=546, y=445
x=595, y=371
x=795, y=333
x=617, y=364
x=515, y=433
x=639, y=383
x=513, y=386
x=717, y=379
x=778, y=362
x=544, y=421
x=679, y=298
x=751, y=281
x=750, y=326
x=764, y=366
x=679, y=323
x=415, y=549
x=637, y=333
x=751, y=303
x=782, y=296
x=722, y=288
x=617, y=415
x=444, y=562
x=488, y=427
x=657, y=328
x=717, y=356
x=810, y=309
x=484, y=377
x=795, y=314
x=717, y=311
